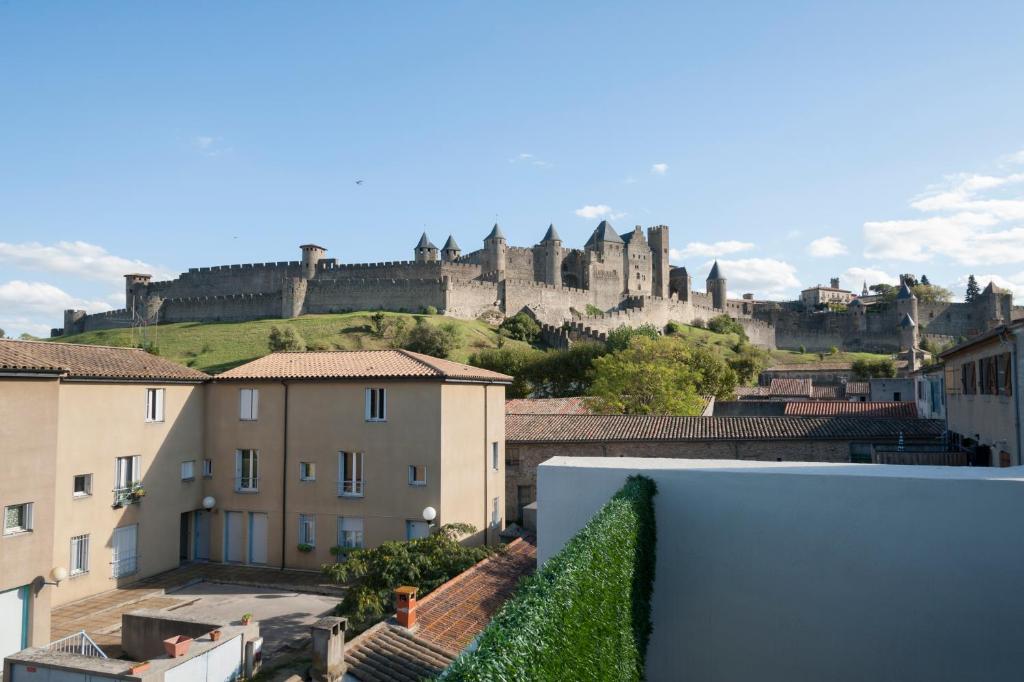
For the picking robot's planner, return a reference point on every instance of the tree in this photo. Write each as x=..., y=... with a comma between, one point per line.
x=2, y=335
x=425, y=563
x=748, y=363
x=285, y=339
x=882, y=289
x=932, y=293
x=619, y=338
x=437, y=341
x=973, y=290
x=521, y=327
x=723, y=324
x=514, y=361
x=649, y=377
x=924, y=280
x=883, y=368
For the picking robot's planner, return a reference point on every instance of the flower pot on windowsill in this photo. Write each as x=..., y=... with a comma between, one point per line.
x=177, y=646
x=246, y=618
x=139, y=668
x=215, y=635
x=306, y=549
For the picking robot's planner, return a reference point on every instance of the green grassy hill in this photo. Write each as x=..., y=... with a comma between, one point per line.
x=216, y=347
x=726, y=342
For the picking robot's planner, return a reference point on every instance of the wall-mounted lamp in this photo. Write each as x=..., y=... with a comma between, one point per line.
x=209, y=503
x=57, y=575
x=429, y=514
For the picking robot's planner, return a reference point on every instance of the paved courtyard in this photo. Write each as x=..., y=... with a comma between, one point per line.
x=290, y=601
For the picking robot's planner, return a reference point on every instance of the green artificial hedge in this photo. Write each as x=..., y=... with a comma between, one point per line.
x=585, y=615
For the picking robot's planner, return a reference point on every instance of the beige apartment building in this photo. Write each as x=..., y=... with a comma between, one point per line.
x=308, y=451
x=119, y=464
x=93, y=441
x=983, y=402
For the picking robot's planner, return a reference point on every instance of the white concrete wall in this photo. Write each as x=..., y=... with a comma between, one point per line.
x=818, y=571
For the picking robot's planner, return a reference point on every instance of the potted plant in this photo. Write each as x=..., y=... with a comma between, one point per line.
x=246, y=618
x=215, y=635
x=177, y=646
x=139, y=668
x=137, y=492
x=306, y=548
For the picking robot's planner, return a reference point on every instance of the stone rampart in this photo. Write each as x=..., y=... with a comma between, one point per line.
x=470, y=299
x=235, y=308
x=348, y=294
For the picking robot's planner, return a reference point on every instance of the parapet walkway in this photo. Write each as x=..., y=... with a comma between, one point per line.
x=100, y=614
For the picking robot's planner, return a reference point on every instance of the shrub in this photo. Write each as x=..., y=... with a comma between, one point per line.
x=521, y=327
x=833, y=350
x=593, y=310
x=673, y=327
x=430, y=310
x=619, y=339
x=883, y=368
x=430, y=340
x=585, y=614
x=803, y=349
x=723, y=324
x=284, y=339
x=699, y=322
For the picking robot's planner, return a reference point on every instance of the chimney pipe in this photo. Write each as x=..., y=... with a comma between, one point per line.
x=405, y=606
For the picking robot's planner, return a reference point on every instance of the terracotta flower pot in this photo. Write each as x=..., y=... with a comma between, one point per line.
x=139, y=668
x=177, y=646
x=215, y=635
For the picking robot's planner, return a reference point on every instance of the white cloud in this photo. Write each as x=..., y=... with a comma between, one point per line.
x=598, y=211
x=530, y=159
x=705, y=250
x=972, y=219
x=209, y=145
x=854, y=278
x=1014, y=283
x=764, y=277
x=630, y=180
x=659, y=168
x=35, y=307
x=81, y=259
x=1016, y=157
x=826, y=247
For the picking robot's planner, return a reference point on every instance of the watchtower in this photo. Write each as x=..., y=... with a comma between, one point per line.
x=450, y=252
x=495, y=248
x=716, y=286
x=551, y=246
x=311, y=255
x=657, y=238
x=425, y=251
x=135, y=291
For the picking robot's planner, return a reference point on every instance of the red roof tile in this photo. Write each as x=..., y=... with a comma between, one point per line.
x=84, y=361
x=576, y=405
x=834, y=408
x=791, y=387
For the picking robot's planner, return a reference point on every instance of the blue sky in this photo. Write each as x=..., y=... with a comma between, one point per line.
x=793, y=141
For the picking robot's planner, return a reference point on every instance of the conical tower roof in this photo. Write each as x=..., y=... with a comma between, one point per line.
x=551, y=235
x=907, y=321
x=496, y=233
x=715, y=273
x=604, y=232
x=425, y=243
x=905, y=291
x=451, y=244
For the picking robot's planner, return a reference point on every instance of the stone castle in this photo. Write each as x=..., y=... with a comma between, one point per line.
x=575, y=293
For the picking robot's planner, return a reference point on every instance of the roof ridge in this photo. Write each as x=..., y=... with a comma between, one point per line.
x=76, y=345
x=418, y=357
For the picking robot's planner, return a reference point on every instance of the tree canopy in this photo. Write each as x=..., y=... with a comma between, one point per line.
x=973, y=290
x=874, y=369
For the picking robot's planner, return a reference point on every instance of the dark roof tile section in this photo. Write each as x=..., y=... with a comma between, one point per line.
x=389, y=653
x=83, y=361
x=568, y=428
x=800, y=388
x=360, y=364
x=858, y=388
x=828, y=392
x=547, y=406
x=745, y=392
x=856, y=408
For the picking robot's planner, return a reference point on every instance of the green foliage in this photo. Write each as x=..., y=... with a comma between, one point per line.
x=378, y=322
x=699, y=322
x=305, y=548
x=593, y=310
x=723, y=324
x=673, y=327
x=428, y=339
x=749, y=363
x=425, y=563
x=2, y=334
x=149, y=346
x=430, y=310
x=883, y=368
x=521, y=327
x=834, y=350
x=544, y=374
x=932, y=293
x=284, y=339
x=585, y=614
x=514, y=361
x=883, y=289
x=619, y=338
x=973, y=290
x=803, y=349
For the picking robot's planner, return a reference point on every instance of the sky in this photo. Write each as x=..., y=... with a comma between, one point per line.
x=792, y=141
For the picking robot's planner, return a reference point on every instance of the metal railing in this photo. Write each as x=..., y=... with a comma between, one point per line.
x=247, y=484
x=128, y=565
x=78, y=643
x=130, y=494
x=350, y=488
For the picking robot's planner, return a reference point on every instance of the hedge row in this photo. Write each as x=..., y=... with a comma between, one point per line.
x=585, y=615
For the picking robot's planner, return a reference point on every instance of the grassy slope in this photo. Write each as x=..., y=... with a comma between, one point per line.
x=216, y=347
x=725, y=343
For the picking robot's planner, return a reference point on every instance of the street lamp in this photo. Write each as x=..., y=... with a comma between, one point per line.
x=58, y=574
x=429, y=514
x=209, y=503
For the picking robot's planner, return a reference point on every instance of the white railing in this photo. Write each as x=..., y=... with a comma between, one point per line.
x=350, y=488
x=129, y=494
x=126, y=566
x=78, y=643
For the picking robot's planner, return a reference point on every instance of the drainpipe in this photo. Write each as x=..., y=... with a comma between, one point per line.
x=284, y=477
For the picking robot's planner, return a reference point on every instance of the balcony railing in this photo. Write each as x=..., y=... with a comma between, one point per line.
x=124, y=566
x=350, y=488
x=247, y=484
x=78, y=643
x=129, y=494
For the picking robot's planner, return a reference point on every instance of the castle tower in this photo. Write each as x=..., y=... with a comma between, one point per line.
x=495, y=247
x=657, y=238
x=450, y=252
x=716, y=286
x=834, y=282
x=680, y=284
x=425, y=251
x=552, y=249
x=135, y=292
x=906, y=310
x=311, y=255
x=636, y=263
x=859, y=312
x=864, y=290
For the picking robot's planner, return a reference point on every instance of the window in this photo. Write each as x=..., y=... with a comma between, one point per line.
x=188, y=470
x=968, y=375
x=79, y=555
x=207, y=468
x=124, y=556
x=127, y=477
x=1005, y=374
x=896, y=396
x=376, y=405
x=494, y=455
x=496, y=512
x=18, y=518
x=249, y=399
x=417, y=474
x=350, y=474
x=154, y=404
x=350, y=532
x=307, y=471
x=83, y=485
x=307, y=529
x=247, y=471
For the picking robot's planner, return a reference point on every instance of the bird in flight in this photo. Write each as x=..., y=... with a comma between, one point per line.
x=359, y=182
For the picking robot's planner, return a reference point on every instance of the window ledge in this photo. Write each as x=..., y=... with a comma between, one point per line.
x=15, y=533
x=190, y=479
x=247, y=492
x=418, y=485
x=80, y=496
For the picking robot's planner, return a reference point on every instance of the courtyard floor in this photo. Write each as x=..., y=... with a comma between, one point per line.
x=285, y=601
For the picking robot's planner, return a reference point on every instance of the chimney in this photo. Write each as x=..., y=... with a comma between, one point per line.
x=328, y=636
x=835, y=282
x=405, y=606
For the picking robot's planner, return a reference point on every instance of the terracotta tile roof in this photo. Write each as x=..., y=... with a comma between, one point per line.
x=576, y=405
x=791, y=387
x=567, y=428
x=359, y=364
x=856, y=408
x=455, y=613
x=83, y=361
x=828, y=392
x=858, y=388
x=447, y=620
x=753, y=392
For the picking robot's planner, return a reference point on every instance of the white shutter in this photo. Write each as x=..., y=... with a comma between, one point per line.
x=238, y=469
x=243, y=403
x=368, y=403
x=254, y=410
x=159, y=404
x=136, y=469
